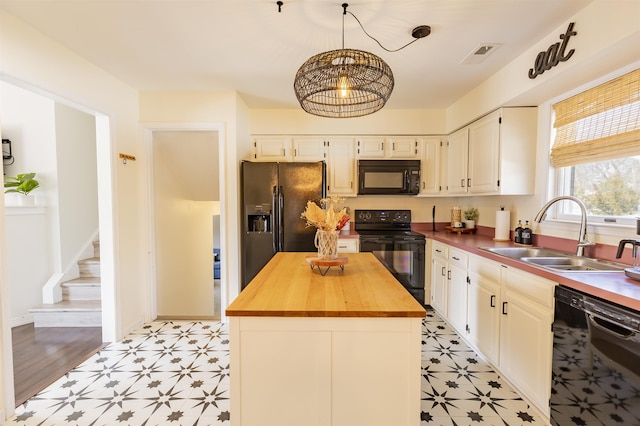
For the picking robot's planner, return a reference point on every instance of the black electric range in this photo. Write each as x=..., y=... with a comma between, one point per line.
x=387, y=234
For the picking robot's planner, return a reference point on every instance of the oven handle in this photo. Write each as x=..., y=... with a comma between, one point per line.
x=375, y=240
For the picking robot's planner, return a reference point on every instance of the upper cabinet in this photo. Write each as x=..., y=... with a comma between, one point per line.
x=284, y=148
x=457, y=162
x=341, y=167
x=430, y=170
x=494, y=155
x=397, y=147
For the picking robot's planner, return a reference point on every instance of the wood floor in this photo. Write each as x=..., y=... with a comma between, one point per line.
x=43, y=355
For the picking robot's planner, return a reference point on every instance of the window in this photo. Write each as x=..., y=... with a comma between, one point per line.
x=596, y=150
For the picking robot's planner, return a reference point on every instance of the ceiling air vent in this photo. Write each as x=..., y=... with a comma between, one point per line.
x=480, y=53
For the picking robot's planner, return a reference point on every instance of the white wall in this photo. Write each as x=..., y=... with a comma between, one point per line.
x=32, y=60
x=201, y=110
x=28, y=121
x=77, y=184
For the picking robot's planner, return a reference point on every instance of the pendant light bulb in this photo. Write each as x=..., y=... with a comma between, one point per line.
x=343, y=87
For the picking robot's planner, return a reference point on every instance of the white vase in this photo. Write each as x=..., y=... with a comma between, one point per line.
x=327, y=244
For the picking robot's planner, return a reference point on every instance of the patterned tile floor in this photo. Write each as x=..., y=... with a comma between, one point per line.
x=177, y=373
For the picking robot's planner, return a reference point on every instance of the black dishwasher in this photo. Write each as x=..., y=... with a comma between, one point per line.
x=596, y=362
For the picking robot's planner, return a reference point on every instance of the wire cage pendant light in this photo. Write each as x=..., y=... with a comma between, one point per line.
x=343, y=83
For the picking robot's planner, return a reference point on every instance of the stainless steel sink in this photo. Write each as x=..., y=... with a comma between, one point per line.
x=520, y=252
x=556, y=260
x=580, y=264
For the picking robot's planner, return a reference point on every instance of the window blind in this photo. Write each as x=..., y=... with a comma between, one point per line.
x=602, y=123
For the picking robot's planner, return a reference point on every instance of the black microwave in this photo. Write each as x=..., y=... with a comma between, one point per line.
x=389, y=177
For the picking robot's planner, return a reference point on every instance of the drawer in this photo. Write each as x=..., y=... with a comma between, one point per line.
x=440, y=250
x=485, y=268
x=347, y=245
x=537, y=289
x=458, y=258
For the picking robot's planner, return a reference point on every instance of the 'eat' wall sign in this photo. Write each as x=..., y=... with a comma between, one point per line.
x=554, y=54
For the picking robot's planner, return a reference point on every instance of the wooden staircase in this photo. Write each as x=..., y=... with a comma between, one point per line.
x=81, y=304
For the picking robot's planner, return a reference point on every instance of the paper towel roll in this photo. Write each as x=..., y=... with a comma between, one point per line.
x=503, y=225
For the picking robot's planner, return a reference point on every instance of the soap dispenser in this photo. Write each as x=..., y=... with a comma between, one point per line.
x=527, y=235
x=518, y=233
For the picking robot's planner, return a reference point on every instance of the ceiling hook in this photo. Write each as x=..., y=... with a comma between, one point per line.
x=344, y=7
x=279, y=3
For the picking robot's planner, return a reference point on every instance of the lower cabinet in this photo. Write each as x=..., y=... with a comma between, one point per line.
x=289, y=371
x=504, y=313
x=526, y=338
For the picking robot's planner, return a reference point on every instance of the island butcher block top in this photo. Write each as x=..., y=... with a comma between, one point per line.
x=288, y=287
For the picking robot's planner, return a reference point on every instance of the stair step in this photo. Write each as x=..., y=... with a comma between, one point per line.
x=68, y=313
x=82, y=288
x=89, y=267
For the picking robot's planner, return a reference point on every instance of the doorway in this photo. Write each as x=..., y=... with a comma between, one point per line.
x=186, y=206
x=61, y=142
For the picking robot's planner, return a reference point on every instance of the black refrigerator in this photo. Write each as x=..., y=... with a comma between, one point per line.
x=274, y=195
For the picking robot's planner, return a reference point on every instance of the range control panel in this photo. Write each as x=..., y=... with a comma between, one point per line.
x=383, y=216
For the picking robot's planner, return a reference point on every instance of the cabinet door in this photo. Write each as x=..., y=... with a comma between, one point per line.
x=430, y=166
x=484, y=155
x=341, y=170
x=404, y=147
x=272, y=149
x=457, y=160
x=457, y=290
x=526, y=346
x=439, y=285
x=371, y=147
x=308, y=149
x=484, y=316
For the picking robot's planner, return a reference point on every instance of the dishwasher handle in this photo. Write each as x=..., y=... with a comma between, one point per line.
x=618, y=320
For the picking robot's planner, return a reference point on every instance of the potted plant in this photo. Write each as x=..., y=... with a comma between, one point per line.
x=22, y=184
x=470, y=217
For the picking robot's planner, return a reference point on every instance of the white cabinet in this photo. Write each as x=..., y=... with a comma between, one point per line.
x=272, y=148
x=281, y=148
x=457, y=161
x=370, y=147
x=404, y=147
x=348, y=245
x=483, y=317
x=494, y=155
x=308, y=148
x=396, y=147
x=439, y=262
x=526, y=338
x=457, y=290
x=341, y=167
x=430, y=172
x=503, y=312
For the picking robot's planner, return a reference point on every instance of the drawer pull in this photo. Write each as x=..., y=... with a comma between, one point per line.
x=455, y=258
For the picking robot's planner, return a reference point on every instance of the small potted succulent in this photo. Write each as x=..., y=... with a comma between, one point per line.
x=470, y=217
x=21, y=184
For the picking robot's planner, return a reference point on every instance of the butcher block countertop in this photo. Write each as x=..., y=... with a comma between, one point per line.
x=288, y=287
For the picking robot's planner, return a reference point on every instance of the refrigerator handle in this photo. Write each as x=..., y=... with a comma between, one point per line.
x=273, y=218
x=280, y=221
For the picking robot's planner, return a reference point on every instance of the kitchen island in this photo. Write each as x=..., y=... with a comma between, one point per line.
x=340, y=349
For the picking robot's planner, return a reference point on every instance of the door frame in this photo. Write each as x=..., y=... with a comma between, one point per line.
x=148, y=129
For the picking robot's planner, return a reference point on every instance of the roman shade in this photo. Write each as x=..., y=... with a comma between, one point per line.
x=602, y=123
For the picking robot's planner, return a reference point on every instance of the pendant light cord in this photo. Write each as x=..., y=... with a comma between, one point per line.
x=369, y=35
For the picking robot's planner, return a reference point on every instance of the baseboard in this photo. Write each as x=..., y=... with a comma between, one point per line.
x=22, y=320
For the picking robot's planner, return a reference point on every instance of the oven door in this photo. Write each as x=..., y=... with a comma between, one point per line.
x=403, y=258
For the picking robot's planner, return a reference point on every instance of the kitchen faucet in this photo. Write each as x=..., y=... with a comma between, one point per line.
x=582, y=238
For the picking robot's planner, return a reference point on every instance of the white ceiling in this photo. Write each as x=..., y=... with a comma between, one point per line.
x=246, y=45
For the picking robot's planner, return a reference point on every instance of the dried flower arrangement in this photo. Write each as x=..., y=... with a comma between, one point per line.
x=327, y=217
